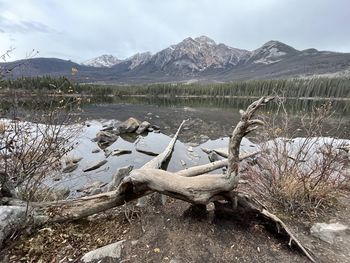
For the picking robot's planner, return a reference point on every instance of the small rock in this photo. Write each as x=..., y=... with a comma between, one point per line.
x=128, y=126
x=145, y=151
x=121, y=152
x=108, y=128
x=155, y=127
x=70, y=168
x=111, y=251
x=143, y=127
x=183, y=163
x=156, y=131
x=150, y=129
x=190, y=149
x=95, y=166
x=96, y=151
x=118, y=177
x=213, y=156
x=206, y=150
x=92, y=188
x=70, y=160
x=222, y=152
x=328, y=232
x=105, y=139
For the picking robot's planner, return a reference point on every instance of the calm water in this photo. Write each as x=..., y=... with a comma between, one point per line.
x=214, y=117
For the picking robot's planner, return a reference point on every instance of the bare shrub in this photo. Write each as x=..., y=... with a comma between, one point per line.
x=301, y=175
x=32, y=150
x=34, y=139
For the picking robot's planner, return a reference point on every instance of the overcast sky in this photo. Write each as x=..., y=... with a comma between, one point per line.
x=83, y=29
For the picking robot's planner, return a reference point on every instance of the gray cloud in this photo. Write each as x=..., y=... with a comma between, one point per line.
x=22, y=26
x=82, y=29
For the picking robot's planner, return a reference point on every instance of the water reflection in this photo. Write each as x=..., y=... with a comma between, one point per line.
x=341, y=107
x=213, y=117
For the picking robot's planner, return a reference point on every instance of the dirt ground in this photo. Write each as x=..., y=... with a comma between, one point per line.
x=176, y=232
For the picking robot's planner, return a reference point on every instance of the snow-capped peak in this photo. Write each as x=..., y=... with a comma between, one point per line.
x=205, y=40
x=102, y=61
x=271, y=52
x=138, y=59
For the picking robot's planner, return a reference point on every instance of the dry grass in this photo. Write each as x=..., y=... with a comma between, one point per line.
x=301, y=176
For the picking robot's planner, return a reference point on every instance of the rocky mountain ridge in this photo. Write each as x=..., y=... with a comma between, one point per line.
x=198, y=59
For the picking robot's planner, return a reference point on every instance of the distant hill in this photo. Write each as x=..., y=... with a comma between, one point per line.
x=198, y=59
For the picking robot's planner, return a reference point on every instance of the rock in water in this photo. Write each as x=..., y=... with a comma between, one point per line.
x=105, y=138
x=11, y=219
x=328, y=232
x=143, y=127
x=213, y=156
x=70, y=168
x=110, y=252
x=118, y=177
x=92, y=188
x=121, y=152
x=128, y=126
x=148, y=152
x=107, y=128
x=70, y=160
x=222, y=152
x=95, y=166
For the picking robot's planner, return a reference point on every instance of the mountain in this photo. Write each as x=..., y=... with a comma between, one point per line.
x=271, y=52
x=138, y=59
x=102, y=61
x=198, y=59
x=196, y=55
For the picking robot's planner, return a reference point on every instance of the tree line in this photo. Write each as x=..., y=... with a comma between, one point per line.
x=296, y=88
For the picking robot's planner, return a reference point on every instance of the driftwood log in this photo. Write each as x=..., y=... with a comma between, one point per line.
x=193, y=185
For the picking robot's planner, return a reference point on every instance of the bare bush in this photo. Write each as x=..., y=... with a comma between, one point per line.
x=301, y=175
x=33, y=141
x=32, y=150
